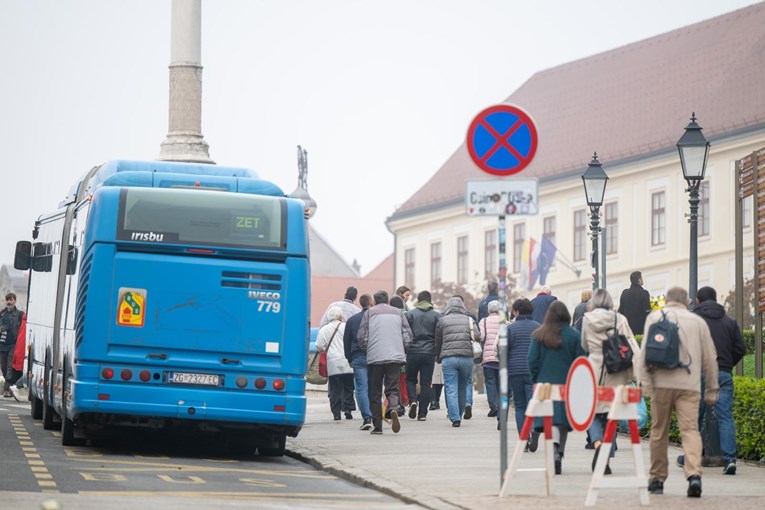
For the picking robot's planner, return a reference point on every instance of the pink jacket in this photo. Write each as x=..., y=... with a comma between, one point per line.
x=489, y=328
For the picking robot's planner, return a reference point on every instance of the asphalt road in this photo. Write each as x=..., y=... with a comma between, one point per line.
x=155, y=470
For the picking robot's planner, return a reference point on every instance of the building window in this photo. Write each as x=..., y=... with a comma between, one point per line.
x=580, y=234
x=435, y=263
x=409, y=267
x=548, y=228
x=612, y=230
x=462, y=260
x=658, y=219
x=519, y=235
x=704, y=209
x=746, y=214
x=490, y=254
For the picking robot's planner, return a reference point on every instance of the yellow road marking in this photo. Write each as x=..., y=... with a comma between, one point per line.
x=35, y=463
x=191, y=480
x=26, y=443
x=38, y=469
x=43, y=476
x=49, y=491
x=44, y=483
x=28, y=449
x=144, y=466
x=32, y=455
x=312, y=496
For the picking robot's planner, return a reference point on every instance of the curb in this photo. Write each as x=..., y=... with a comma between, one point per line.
x=366, y=479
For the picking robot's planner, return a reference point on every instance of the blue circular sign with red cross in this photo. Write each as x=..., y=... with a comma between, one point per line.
x=502, y=140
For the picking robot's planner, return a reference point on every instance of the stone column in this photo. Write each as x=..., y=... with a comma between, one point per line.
x=184, y=140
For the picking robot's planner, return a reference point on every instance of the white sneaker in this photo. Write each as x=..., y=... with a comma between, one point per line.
x=15, y=393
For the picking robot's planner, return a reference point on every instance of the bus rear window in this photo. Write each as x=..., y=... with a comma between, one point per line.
x=201, y=218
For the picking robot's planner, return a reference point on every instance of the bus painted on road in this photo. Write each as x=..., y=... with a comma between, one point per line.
x=170, y=295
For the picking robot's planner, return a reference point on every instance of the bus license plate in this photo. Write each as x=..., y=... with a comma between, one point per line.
x=188, y=378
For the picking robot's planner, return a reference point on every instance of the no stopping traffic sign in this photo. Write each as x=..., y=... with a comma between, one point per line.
x=502, y=140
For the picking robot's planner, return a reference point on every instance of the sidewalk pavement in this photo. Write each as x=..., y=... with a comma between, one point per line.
x=433, y=465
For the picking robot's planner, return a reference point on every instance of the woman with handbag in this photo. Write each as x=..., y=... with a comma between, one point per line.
x=330, y=340
x=597, y=325
x=554, y=347
x=455, y=332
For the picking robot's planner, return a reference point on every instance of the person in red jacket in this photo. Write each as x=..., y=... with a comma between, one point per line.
x=19, y=353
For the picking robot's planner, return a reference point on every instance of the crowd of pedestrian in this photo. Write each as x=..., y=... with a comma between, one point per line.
x=396, y=355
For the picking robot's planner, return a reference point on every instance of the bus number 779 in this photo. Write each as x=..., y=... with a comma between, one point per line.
x=269, y=306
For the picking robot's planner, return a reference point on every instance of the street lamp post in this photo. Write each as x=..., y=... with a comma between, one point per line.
x=694, y=151
x=594, y=179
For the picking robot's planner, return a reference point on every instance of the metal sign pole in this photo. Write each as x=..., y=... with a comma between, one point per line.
x=603, y=258
x=504, y=402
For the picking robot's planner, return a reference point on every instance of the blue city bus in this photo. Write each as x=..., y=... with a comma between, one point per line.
x=174, y=296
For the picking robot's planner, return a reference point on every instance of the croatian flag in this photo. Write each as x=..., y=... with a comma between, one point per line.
x=536, y=260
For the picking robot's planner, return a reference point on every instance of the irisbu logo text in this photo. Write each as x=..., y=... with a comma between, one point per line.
x=147, y=236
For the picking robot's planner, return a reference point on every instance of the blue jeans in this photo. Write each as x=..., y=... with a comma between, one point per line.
x=469, y=388
x=457, y=371
x=491, y=376
x=598, y=429
x=361, y=380
x=724, y=411
x=522, y=389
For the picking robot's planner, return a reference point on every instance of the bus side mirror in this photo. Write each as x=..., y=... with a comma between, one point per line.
x=23, y=255
x=71, y=260
x=42, y=259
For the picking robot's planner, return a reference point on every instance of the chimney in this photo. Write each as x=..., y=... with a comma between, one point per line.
x=184, y=140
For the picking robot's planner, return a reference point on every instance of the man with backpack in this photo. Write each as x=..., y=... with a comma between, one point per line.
x=677, y=350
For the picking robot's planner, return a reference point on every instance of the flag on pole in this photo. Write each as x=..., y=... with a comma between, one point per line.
x=545, y=260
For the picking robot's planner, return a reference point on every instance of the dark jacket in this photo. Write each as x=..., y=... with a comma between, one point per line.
x=483, y=306
x=10, y=320
x=552, y=366
x=518, y=343
x=635, y=304
x=576, y=319
x=725, y=334
x=384, y=335
x=423, y=319
x=541, y=303
x=453, y=331
x=350, y=343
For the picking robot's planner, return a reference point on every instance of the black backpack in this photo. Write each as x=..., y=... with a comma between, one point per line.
x=662, y=345
x=617, y=353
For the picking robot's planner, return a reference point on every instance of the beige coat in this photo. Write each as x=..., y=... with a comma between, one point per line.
x=696, y=346
x=597, y=325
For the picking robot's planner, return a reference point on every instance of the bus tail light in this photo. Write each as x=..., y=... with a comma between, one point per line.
x=278, y=384
x=260, y=383
x=280, y=408
x=144, y=375
x=107, y=373
x=126, y=374
x=241, y=381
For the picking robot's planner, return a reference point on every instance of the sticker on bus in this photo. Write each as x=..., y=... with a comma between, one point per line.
x=131, y=307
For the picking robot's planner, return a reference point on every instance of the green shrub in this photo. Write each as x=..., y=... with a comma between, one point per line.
x=749, y=416
x=748, y=335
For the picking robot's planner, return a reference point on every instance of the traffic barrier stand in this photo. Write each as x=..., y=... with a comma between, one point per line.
x=624, y=400
x=540, y=405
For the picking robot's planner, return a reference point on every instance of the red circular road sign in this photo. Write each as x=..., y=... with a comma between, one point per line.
x=502, y=140
x=581, y=389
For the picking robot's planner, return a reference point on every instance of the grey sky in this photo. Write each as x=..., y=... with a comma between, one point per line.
x=379, y=93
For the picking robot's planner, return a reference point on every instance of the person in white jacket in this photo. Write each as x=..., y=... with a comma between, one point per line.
x=330, y=339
